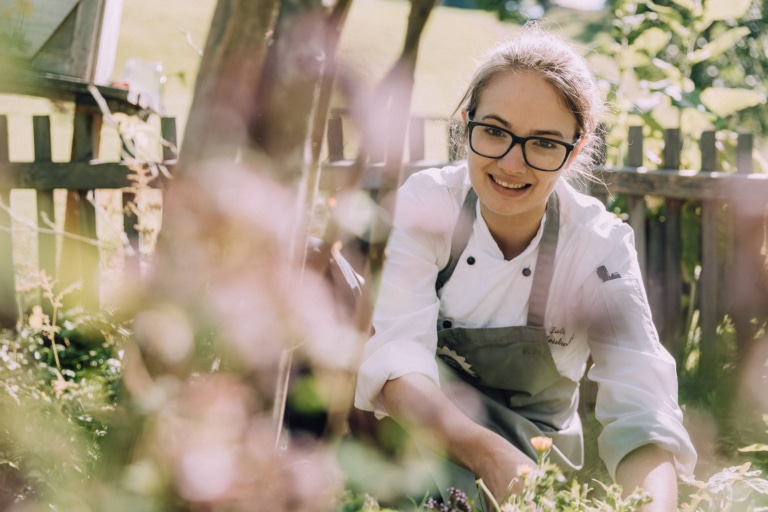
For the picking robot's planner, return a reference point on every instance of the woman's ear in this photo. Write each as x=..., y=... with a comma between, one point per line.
x=464, y=115
x=582, y=142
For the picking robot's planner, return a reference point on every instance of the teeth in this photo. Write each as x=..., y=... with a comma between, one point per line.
x=507, y=185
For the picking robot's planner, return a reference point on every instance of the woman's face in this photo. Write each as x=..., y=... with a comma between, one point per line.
x=527, y=105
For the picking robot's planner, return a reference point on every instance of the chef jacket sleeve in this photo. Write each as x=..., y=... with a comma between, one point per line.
x=407, y=306
x=636, y=376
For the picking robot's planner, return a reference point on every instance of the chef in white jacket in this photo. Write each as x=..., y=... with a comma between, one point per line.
x=502, y=278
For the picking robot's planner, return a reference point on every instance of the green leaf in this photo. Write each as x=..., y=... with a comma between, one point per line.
x=672, y=18
x=725, y=101
x=683, y=99
x=755, y=448
x=672, y=71
x=717, y=46
x=715, y=10
x=652, y=40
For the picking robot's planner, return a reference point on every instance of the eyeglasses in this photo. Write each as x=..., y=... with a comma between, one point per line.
x=541, y=153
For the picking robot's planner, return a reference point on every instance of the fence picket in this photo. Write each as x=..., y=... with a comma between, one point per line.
x=170, y=139
x=708, y=281
x=673, y=280
x=335, y=139
x=747, y=270
x=744, y=161
x=673, y=277
x=7, y=273
x=636, y=203
x=79, y=261
x=46, y=240
x=416, y=139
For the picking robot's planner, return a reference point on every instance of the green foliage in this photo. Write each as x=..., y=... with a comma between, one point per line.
x=545, y=489
x=57, y=397
x=548, y=490
x=683, y=64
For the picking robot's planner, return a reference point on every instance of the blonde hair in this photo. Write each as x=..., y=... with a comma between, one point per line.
x=563, y=67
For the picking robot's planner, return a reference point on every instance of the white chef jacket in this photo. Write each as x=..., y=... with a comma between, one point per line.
x=607, y=317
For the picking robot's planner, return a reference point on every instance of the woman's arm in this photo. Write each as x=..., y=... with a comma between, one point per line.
x=419, y=405
x=653, y=469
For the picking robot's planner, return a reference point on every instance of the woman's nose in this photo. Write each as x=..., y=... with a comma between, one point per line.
x=514, y=161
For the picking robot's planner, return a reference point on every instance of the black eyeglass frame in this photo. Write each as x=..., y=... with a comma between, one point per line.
x=521, y=140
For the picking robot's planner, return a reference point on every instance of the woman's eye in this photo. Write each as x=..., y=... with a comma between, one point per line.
x=494, y=132
x=544, y=144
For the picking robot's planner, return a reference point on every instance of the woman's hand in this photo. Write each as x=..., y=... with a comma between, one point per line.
x=501, y=465
x=434, y=420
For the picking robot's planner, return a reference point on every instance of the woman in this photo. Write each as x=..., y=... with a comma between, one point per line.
x=517, y=293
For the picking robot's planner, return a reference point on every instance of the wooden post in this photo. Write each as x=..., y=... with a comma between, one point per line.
x=636, y=204
x=8, y=309
x=170, y=149
x=335, y=139
x=132, y=260
x=673, y=249
x=170, y=139
x=46, y=242
x=416, y=139
x=708, y=288
x=672, y=147
x=655, y=282
x=748, y=275
x=80, y=261
x=744, y=163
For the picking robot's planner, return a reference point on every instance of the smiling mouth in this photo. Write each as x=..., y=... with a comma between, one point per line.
x=511, y=186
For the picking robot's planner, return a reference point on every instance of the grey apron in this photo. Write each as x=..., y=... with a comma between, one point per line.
x=523, y=393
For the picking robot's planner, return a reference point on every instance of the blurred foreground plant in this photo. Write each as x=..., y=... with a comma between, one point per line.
x=734, y=488
x=544, y=489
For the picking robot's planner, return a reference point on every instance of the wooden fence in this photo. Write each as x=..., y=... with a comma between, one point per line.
x=725, y=250
x=708, y=219
x=79, y=249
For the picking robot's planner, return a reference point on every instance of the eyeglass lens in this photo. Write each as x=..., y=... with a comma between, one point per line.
x=540, y=153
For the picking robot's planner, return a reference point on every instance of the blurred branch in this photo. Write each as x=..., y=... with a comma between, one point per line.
x=394, y=98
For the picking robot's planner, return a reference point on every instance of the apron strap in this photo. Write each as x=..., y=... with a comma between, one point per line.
x=545, y=264
x=461, y=234
x=545, y=261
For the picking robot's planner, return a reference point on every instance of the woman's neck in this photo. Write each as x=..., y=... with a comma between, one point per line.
x=513, y=234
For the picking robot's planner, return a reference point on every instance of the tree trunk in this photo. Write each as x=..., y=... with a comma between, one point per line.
x=225, y=92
